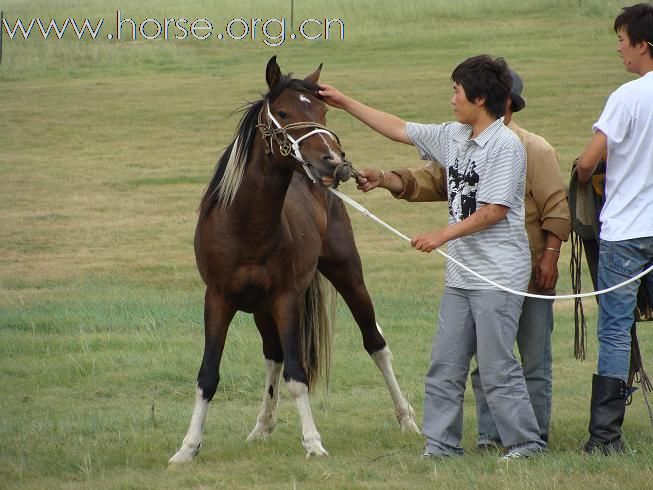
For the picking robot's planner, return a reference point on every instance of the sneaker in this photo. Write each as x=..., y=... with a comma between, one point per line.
x=488, y=445
x=521, y=452
x=428, y=455
x=434, y=452
x=606, y=448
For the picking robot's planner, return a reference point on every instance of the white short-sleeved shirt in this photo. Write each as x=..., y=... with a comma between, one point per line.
x=627, y=121
x=489, y=169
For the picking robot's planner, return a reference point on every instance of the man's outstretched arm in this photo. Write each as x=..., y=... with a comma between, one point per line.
x=386, y=124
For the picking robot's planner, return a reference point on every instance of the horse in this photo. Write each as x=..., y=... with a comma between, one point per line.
x=267, y=235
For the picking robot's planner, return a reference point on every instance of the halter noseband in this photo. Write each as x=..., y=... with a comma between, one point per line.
x=290, y=146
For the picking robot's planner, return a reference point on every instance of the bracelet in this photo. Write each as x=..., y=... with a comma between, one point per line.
x=557, y=250
x=382, y=178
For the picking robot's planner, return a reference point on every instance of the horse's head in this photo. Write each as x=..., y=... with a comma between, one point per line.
x=293, y=124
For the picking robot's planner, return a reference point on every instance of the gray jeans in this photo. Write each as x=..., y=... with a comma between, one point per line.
x=534, y=343
x=482, y=323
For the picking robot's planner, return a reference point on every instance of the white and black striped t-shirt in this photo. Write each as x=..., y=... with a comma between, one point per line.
x=489, y=169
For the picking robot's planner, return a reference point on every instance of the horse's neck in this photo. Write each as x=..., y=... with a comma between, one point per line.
x=261, y=195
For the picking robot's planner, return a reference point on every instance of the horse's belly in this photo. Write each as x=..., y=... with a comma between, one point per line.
x=255, y=288
x=249, y=289
x=249, y=300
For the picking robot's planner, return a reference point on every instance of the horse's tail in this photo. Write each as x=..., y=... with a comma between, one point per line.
x=316, y=329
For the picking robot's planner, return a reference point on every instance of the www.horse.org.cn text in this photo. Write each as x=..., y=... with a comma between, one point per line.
x=272, y=32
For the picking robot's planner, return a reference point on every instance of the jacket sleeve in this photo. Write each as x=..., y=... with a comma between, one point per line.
x=550, y=194
x=427, y=183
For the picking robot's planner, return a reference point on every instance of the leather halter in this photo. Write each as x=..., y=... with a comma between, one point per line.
x=290, y=146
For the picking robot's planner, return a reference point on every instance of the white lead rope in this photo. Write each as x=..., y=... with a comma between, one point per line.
x=360, y=208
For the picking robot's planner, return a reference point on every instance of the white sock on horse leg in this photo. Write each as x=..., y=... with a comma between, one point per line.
x=193, y=440
x=403, y=411
x=266, y=419
x=311, y=439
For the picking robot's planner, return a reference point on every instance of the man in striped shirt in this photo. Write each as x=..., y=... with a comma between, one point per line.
x=486, y=165
x=548, y=224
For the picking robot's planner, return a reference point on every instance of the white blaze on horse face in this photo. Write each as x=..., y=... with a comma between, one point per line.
x=403, y=411
x=266, y=420
x=193, y=440
x=304, y=99
x=378, y=327
x=335, y=158
x=310, y=436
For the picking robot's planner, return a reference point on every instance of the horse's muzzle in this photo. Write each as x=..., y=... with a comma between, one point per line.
x=343, y=174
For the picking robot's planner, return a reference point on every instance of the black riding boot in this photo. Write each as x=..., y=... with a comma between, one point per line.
x=608, y=409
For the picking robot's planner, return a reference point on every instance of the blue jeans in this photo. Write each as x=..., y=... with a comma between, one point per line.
x=534, y=343
x=619, y=261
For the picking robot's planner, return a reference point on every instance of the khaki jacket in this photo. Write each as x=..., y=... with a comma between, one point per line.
x=545, y=201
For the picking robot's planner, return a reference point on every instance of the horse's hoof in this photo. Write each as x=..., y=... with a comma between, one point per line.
x=409, y=425
x=184, y=455
x=407, y=421
x=314, y=448
x=259, y=433
x=317, y=452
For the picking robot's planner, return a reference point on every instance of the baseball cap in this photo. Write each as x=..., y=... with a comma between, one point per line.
x=518, y=103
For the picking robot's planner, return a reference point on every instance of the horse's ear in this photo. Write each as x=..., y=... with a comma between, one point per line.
x=272, y=72
x=315, y=76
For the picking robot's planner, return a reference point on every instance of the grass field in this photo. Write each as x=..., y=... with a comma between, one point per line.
x=105, y=149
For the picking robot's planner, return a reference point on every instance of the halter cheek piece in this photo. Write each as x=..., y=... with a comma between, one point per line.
x=290, y=146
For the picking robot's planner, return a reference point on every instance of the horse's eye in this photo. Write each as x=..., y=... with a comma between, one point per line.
x=282, y=115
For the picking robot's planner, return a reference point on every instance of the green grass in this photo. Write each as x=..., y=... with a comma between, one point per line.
x=105, y=149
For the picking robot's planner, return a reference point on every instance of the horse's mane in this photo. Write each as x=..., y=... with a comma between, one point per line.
x=231, y=166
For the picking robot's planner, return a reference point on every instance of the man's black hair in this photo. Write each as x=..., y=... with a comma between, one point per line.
x=487, y=78
x=637, y=21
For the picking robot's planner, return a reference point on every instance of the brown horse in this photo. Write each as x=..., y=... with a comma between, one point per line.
x=268, y=229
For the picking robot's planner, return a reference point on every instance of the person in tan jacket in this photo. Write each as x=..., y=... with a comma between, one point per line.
x=548, y=224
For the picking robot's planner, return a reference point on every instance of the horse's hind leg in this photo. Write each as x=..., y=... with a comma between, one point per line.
x=217, y=316
x=286, y=316
x=347, y=277
x=273, y=353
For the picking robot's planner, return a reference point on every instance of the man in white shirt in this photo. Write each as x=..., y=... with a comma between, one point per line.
x=624, y=133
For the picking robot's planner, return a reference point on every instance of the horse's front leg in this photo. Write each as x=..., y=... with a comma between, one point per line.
x=347, y=278
x=217, y=316
x=286, y=315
